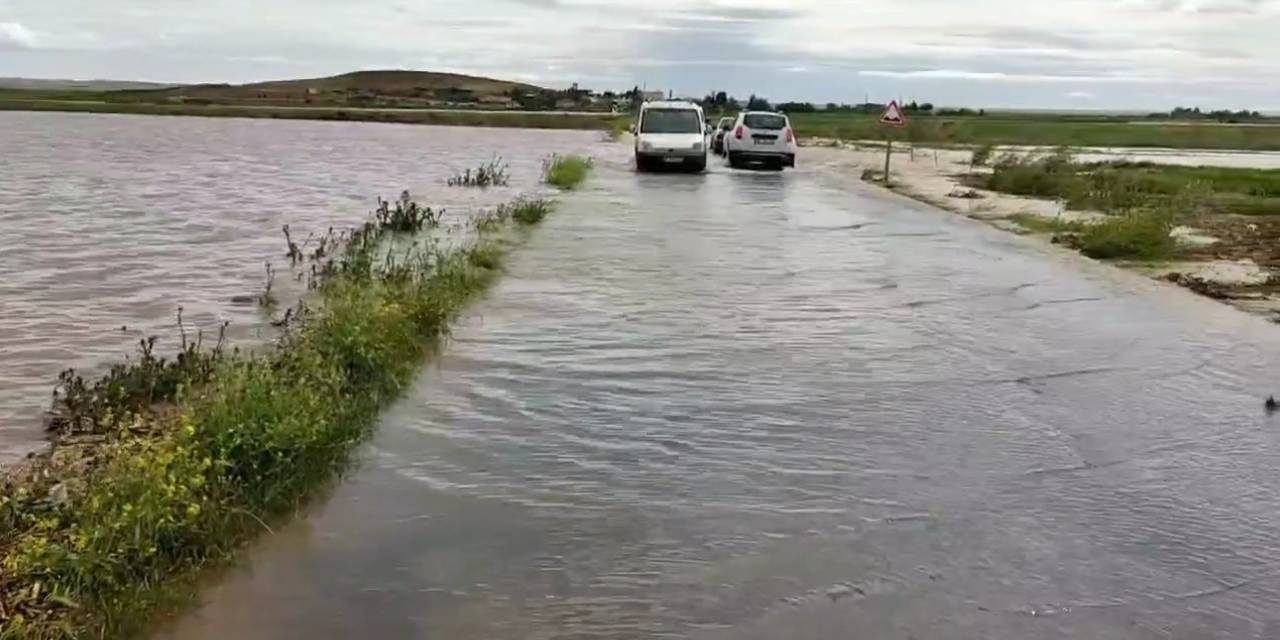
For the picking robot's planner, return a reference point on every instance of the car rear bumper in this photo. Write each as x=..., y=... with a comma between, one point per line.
x=659, y=154
x=674, y=158
x=787, y=157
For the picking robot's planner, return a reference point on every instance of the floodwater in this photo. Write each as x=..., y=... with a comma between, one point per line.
x=761, y=405
x=111, y=221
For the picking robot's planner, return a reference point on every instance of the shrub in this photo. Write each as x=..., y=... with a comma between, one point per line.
x=1050, y=176
x=530, y=211
x=490, y=174
x=565, y=172
x=407, y=216
x=981, y=155
x=1138, y=236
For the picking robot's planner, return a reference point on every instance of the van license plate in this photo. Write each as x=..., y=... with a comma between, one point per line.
x=672, y=160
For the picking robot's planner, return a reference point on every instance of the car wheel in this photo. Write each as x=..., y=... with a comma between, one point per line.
x=642, y=163
x=734, y=161
x=776, y=164
x=699, y=165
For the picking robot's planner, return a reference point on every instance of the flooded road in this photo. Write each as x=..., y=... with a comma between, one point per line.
x=110, y=221
x=759, y=405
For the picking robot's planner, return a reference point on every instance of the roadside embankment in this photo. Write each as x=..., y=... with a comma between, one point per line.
x=164, y=467
x=1214, y=230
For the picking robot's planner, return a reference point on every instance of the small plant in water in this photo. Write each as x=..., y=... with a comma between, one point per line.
x=84, y=407
x=490, y=174
x=406, y=215
x=530, y=210
x=566, y=172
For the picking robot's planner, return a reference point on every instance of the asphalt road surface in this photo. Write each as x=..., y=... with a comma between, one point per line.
x=757, y=405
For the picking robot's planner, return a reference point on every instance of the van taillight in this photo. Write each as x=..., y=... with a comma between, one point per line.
x=790, y=137
x=737, y=133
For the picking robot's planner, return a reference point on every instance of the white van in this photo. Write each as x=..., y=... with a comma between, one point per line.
x=671, y=134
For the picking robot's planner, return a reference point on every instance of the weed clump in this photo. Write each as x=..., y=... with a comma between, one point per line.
x=529, y=211
x=1139, y=236
x=565, y=172
x=490, y=174
x=407, y=216
x=981, y=156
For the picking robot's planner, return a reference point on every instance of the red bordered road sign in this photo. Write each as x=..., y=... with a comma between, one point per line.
x=893, y=116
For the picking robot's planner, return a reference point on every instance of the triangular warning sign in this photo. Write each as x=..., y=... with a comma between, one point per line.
x=893, y=116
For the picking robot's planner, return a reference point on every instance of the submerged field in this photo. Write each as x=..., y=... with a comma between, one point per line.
x=456, y=117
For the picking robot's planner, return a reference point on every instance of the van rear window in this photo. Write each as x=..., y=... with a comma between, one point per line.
x=764, y=121
x=671, y=121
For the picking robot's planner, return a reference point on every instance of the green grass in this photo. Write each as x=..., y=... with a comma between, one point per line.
x=1041, y=224
x=566, y=172
x=1127, y=187
x=1041, y=130
x=459, y=117
x=1141, y=236
x=93, y=542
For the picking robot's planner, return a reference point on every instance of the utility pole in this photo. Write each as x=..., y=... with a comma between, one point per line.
x=888, y=153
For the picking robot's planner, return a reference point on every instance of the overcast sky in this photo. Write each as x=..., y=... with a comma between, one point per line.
x=1018, y=53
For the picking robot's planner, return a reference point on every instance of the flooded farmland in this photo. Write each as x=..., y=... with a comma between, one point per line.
x=114, y=221
x=733, y=405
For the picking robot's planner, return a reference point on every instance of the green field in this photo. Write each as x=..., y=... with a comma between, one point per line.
x=1043, y=130
x=1123, y=187
x=995, y=128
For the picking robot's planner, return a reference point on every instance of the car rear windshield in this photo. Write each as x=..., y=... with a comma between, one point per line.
x=764, y=121
x=671, y=121
x=726, y=123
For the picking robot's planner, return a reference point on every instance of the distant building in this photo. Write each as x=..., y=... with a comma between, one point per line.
x=653, y=96
x=498, y=101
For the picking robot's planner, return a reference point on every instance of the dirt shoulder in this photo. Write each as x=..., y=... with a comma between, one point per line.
x=1232, y=258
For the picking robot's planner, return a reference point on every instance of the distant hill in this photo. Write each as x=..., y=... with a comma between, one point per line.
x=400, y=85
x=42, y=84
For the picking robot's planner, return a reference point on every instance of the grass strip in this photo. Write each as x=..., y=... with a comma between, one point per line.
x=164, y=468
x=1046, y=130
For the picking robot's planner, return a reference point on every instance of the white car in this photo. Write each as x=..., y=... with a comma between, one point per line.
x=671, y=134
x=761, y=136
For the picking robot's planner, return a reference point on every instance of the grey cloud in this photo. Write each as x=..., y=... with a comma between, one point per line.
x=736, y=14
x=14, y=36
x=937, y=50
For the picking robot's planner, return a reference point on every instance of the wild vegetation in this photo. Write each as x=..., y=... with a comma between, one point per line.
x=163, y=467
x=1145, y=201
x=1135, y=236
x=489, y=174
x=565, y=171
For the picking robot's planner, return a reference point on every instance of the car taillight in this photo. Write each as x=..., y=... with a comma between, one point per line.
x=790, y=137
x=737, y=133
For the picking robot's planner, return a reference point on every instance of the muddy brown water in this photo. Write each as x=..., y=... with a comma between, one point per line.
x=111, y=221
x=758, y=405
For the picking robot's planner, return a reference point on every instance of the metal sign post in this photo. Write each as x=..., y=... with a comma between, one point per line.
x=895, y=119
